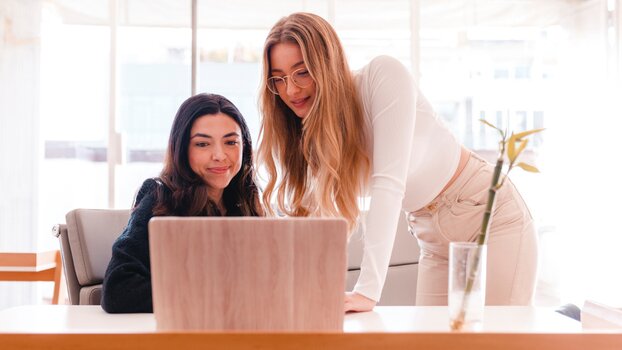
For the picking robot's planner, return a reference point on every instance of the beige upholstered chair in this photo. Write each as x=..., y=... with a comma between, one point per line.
x=401, y=284
x=86, y=246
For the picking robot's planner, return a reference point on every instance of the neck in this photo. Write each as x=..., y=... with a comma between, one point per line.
x=216, y=197
x=221, y=208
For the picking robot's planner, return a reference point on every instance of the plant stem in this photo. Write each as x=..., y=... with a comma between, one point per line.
x=492, y=193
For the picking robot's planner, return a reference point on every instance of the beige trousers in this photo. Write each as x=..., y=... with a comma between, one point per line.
x=456, y=215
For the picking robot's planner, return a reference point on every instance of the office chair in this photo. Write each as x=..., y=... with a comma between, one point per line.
x=86, y=247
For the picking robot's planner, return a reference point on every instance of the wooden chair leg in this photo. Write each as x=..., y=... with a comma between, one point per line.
x=59, y=290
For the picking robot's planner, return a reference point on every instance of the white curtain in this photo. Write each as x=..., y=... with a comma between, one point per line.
x=20, y=147
x=583, y=160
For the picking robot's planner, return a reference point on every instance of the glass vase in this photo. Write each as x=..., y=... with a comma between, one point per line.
x=467, y=285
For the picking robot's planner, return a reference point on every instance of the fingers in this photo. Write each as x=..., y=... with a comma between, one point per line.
x=349, y=303
x=358, y=303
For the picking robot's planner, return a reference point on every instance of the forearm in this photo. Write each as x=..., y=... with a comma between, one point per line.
x=380, y=229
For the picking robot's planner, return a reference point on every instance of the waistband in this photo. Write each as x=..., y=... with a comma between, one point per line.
x=473, y=166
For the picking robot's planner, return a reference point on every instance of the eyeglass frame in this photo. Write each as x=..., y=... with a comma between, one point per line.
x=287, y=78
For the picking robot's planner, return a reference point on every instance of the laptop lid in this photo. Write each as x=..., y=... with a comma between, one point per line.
x=248, y=273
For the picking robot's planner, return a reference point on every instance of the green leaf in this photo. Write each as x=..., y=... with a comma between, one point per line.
x=511, y=148
x=521, y=148
x=488, y=123
x=492, y=126
x=527, y=167
x=520, y=135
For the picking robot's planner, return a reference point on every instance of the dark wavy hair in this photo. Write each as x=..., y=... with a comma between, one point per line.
x=184, y=193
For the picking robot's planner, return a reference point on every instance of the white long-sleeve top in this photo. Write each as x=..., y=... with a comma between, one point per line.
x=413, y=157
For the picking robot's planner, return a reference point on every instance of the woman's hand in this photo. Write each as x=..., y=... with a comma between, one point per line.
x=358, y=303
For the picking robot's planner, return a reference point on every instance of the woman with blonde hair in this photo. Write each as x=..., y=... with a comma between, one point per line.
x=331, y=137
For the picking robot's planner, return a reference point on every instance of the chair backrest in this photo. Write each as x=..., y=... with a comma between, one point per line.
x=86, y=246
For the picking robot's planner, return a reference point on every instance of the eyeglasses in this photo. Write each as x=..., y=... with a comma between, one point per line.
x=300, y=77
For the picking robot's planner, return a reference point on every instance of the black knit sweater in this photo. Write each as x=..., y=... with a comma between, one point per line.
x=127, y=282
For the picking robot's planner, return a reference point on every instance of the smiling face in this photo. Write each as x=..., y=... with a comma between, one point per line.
x=215, y=151
x=285, y=59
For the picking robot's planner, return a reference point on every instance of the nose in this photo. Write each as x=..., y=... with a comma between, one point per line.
x=219, y=153
x=290, y=87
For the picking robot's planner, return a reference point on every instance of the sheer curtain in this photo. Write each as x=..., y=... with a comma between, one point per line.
x=552, y=64
x=581, y=160
x=20, y=147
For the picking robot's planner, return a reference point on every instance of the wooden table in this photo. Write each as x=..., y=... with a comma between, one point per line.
x=408, y=327
x=41, y=266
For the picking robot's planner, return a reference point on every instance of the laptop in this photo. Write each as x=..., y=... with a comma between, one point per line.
x=248, y=273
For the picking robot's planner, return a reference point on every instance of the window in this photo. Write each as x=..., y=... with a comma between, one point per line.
x=534, y=64
x=74, y=111
x=114, y=72
x=109, y=75
x=153, y=78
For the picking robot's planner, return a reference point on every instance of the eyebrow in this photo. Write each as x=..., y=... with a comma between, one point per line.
x=211, y=137
x=293, y=66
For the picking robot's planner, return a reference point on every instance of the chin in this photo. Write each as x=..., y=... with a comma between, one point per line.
x=301, y=114
x=221, y=186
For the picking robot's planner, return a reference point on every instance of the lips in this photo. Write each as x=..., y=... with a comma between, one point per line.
x=299, y=102
x=218, y=170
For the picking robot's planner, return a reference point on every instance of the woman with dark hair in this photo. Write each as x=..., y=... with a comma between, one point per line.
x=208, y=171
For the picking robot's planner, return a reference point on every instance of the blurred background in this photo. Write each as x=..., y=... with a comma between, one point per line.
x=89, y=88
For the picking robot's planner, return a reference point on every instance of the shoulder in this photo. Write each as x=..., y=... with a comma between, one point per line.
x=142, y=209
x=385, y=79
x=386, y=65
x=150, y=184
x=385, y=73
x=386, y=62
x=148, y=189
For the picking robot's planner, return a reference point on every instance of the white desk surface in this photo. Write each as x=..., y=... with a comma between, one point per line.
x=390, y=319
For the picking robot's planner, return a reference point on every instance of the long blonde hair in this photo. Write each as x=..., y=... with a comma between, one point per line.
x=321, y=160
